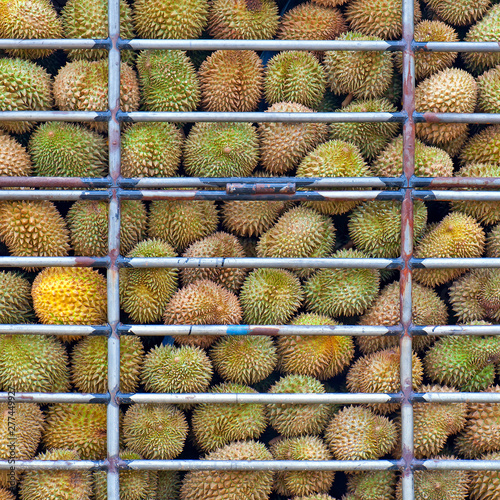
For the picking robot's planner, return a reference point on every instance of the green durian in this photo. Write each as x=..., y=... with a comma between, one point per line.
x=483, y=147
x=15, y=298
x=373, y=485
x=14, y=159
x=459, y=13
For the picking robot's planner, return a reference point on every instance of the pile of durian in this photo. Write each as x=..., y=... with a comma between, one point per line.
x=290, y=81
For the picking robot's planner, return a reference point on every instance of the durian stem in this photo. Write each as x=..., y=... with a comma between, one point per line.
x=254, y=4
x=347, y=100
x=349, y=244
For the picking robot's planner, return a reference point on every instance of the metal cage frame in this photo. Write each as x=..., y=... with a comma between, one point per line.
x=114, y=188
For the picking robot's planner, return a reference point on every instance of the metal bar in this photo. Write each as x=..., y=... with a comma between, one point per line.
x=54, y=261
x=58, y=43
x=53, y=330
x=466, y=182
x=67, y=182
x=89, y=465
x=483, y=118
x=454, y=263
x=436, y=195
x=49, y=398
x=54, y=195
x=59, y=116
x=457, y=397
x=430, y=464
x=456, y=46
x=456, y=330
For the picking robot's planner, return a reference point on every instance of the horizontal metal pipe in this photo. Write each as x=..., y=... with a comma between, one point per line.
x=54, y=261
x=49, y=398
x=53, y=330
x=20, y=465
x=456, y=46
x=430, y=464
x=54, y=195
x=57, y=43
x=59, y=116
x=465, y=182
x=483, y=118
x=456, y=263
x=436, y=195
x=457, y=397
x=66, y=182
x=456, y=330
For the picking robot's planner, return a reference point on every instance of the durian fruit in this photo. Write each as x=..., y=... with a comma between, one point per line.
x=369, y=137
x=33, y=228
x=134, y=484
x=33, y=363
x=379, y=372
x=428, y=63
x=493, y=242
x=245, y=359
x=329, y=3
x=483, y=147
x=302, y=482
x=70, y=296
x=295, y=76
x=202, y=303
x=466, y=362
x=60, y=149
x=451, y=90
x=270, y=296
x=14, y=159
x=221, y=150
x=151, y=150
x=299, y=233
x=182, y=222
x=365, y=75
x=243, y=19
x=373, y=485
x=215, y=425
x=378, y=18
x=356, y=433
x=319, y=356
x=6, y=494
x=89, y=364
x=291, y=420
x=145, y=293
x=343, y=291
x=438, y=484
x=176, y=369
x=230, y=484
x=231, y=80
x=485, y=30
x=89, y=19
x=457, y=235
x=333, y=159
x=82, y=85
x=488, y=97
x=155, y=431
x=169, y=19
x=429, y=161
x=221, y=245
x=21, y=427
x=15, y=298
x=459, y=13
x=81, y=428
x=169, y=485
x=319, y=496
x=88, y=223
x=375, y=227
x=57, y=484
x=284, y=145
x=427, y=309
x=29, y=19
x=168, y=81
x=24, y=86
x=485, y=485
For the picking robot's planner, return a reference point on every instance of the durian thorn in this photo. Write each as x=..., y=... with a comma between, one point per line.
x=347, y=100
x=254, y=4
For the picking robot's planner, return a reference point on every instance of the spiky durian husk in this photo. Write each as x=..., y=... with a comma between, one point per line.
x=292, y=420
x=364, y=74
x=329, y=3
x=485, y=485
x=231, y=80
x=57, y=484
x=228, y=485
x=375, y=227
x=14, y=159
x=169, y=485
x=151, y=150
x=485, y=30
x=370, y=138
x=61, y=149
x=243, y=19
x=145, y=292
x=88, y=223
x=202, y=303
x=319, y=496
x=356, y=433
x=83, y=86
x=488, y=83
x=342, y=292
x=6, y=494
x=451, y=90
x=284, y=145
x=319, y=356
x=427, y=309
x=333, y=159
x=155, y=431
x=168, y=81
x=221, y=245
x=176, y=369
x=89, y=370
x=180, y=222
x=302, y=482
x=270, y=296
x=89, y=19
x=493, y=242
x=381, y=18
x=79, y=427
x=15, y=298
x=483, y=147
x=457, y=235
x=429, y=161
x=459, y=13
x=244, y=360
x=170, y=19
x=221, y=150
x=376, y=485
x=379, y=372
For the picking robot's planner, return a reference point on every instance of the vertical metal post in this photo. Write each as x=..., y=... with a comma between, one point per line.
x=113, y=414
x=407, y=251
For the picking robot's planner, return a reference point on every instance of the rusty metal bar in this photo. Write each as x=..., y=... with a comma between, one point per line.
x=57, y=43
